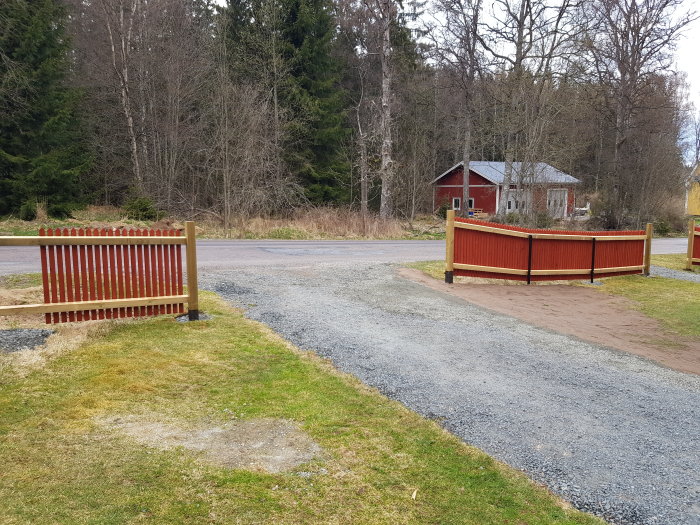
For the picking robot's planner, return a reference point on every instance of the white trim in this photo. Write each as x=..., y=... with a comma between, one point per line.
x=457, y=206
x=457, y=166
x=498, y=197
x=462, y=185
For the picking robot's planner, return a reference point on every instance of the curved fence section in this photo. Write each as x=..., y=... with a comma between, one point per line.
x=490, y=250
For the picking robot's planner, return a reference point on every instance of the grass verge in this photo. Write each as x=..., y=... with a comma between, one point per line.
x=674, y=302
x=674, y=261
x=383, y=463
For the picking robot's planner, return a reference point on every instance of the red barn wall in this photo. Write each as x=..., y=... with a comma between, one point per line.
x=480, y=189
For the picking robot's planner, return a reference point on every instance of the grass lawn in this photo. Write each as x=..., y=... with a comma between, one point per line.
x=381, y=462
x=674, y=261
x=673, y=302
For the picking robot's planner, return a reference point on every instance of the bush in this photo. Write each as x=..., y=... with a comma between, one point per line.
x=143, y=209
x=60, y=211
x=442, y=211
x=662, y=228
x=27, y=212
x=543, y=220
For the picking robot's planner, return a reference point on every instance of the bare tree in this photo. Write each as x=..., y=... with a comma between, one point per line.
x=628, y=47
x=456, y=44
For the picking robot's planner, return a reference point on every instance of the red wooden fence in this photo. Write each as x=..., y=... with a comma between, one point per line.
x=73, y=273
x=107, y=274
x=694, y=245
x=484, y=249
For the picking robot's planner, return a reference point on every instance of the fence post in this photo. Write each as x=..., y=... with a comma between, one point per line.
x=449, y=246
x=529, y=258
x=691, y=240
x=192, y=286
x=647, y=248
x=592, y=260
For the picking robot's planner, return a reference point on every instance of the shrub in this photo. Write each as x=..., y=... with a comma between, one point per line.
x=60, y=211
x=442, y=211
x=543, y=220
x=143, y=209
x=27, y=212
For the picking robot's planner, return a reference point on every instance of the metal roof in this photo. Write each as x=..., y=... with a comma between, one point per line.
x=495, y=171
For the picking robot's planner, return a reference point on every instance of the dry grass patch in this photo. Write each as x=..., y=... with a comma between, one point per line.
x=381, y=463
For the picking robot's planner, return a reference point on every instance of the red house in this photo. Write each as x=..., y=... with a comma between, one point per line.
x=543, y=188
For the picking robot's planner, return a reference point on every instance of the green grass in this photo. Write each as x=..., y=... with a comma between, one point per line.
x=675, y=261
x=673, y=302
x=58, y=466
x=20, y=280
x=435, y=269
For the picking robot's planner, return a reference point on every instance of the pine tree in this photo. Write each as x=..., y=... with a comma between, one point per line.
x=313, y=95
x=41, y=152
x=287, y=47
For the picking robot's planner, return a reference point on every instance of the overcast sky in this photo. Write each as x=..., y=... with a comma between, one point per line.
x=688, y=53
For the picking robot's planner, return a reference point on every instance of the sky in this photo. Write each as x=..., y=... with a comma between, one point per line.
x=688, y=55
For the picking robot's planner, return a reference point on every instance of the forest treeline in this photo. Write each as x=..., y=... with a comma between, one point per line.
x=257, y=107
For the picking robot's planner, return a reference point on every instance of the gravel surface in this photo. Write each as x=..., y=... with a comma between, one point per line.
x=660, y=271
x=612, y=433
x=22, y=339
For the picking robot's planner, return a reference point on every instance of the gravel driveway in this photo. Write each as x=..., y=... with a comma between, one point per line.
x=612, y=433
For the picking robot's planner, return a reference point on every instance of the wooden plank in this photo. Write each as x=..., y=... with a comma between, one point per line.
x=491, y=269
x=450, y=241
x=45, y=275
x=647, y=248
x=568, y=271
x=90, y=253
x=142, y=276
x=191, y=256
x=89, y=305
x=52, y=278
x=691, y=239
x=86, y=241
x=160, y=266
x=178, y=266
x=549, y=236
x=488, y=229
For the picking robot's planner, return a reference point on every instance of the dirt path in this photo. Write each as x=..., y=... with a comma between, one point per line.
x=582, y=312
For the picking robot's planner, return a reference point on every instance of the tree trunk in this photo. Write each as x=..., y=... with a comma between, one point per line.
x=387, y=165
x=466, y=155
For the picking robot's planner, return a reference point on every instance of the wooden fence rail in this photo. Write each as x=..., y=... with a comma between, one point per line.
x=91, y=274
x=482, y=249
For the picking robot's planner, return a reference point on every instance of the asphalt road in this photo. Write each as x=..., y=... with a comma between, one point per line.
x=223, y=254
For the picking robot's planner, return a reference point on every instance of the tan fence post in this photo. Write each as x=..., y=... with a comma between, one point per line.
x=647, y=248
x=450, y=246
x=691, y=240
x=192, y=286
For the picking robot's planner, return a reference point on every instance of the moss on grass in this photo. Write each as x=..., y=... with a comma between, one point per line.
x=59, y=466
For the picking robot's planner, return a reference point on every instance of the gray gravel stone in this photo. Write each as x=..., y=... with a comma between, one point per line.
x=18, y=339
x=186, y=319
x=614, y=434
x=660, y=271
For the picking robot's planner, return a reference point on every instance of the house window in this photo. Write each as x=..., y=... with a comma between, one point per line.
x=471, y=203
x=456, y=203
x=510, y=204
